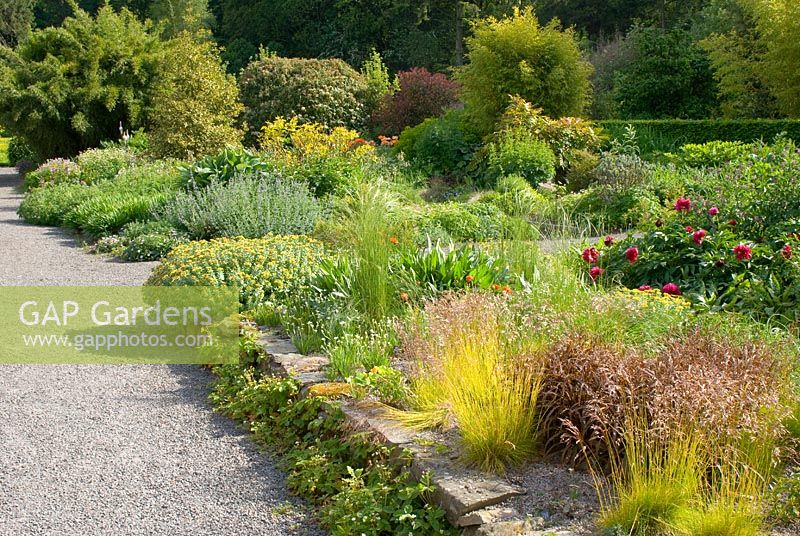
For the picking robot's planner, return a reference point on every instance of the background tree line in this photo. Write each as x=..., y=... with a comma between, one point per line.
x=651, y=58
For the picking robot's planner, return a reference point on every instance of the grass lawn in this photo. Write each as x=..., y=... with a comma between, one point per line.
x=4, y=152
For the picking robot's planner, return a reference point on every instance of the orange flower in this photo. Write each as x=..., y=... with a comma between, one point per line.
x=495, y=287
x=404, y=296
x=394, y=240
x=507, y=289
x=470, y=278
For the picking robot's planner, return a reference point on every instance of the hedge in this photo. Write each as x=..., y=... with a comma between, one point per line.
x=669, y=134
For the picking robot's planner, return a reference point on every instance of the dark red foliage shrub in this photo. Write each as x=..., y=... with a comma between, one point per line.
x=421, y=95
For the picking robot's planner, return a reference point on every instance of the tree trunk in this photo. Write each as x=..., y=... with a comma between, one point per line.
x=459, y=33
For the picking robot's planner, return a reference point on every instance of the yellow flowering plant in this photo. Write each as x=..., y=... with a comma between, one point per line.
x=265, y=270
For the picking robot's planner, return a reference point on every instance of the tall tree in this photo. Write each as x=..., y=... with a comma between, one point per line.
x=68, y=88
x=176, y=16
x=728, y=33
x=16, y=19
x=778, y=23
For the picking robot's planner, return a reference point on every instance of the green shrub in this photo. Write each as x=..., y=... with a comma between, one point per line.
x=221, y=167
x=70, y=87
x=711, y=154
x=620, y=171
x=248, y=206
x=18, y=150
x=438, y=145
x=531, y=159
x=670, y=134
x=266, y=270
x=195, y=103
x=565, y=135
x=55, y=171
x=668, y=75
x=105, y=213
x=48, y=206
x=517, y=56
x=99, y=165
x=149, y=241
x=4, y=162
x=435, y=269
x=328, y=92
x=462, y=222
x=379, y=83
x=581, y=172
x=614, y=209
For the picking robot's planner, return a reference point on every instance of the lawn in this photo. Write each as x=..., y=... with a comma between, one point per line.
x=4, y=152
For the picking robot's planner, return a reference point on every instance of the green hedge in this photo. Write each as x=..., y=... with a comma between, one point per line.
x=670, y=134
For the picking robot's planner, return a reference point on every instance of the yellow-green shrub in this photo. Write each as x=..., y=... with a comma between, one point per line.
x=195, y=102
x=518, y=56
x=268, y=269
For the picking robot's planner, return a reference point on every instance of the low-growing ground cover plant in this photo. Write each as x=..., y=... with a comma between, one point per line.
x=266, y=270
x=359, y=487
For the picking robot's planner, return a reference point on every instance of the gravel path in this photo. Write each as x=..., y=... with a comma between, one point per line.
x=120, y=449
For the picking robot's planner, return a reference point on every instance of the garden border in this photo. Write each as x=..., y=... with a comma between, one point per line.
x=471, y=500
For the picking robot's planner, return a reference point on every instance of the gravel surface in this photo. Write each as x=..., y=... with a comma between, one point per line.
x=120, y=449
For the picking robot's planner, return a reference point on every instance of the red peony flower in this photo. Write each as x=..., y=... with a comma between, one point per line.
x=671, y=289
x=683, y=204
x=689, y=228
x=595, y=272
x=632, y=253
x=645, y=287
x=470, y=278
x=733, y=222
x=743, y=252
x=713, y=211
x=608, y=240
x=591, y=255
x=787, y=252
x=698, y=236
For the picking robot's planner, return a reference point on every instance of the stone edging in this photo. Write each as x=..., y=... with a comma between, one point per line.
x=470, y=499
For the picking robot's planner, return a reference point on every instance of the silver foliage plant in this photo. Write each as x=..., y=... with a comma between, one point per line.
x=249, y=205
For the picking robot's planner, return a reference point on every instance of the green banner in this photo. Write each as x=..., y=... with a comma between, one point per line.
x=118, y=325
